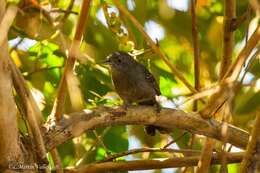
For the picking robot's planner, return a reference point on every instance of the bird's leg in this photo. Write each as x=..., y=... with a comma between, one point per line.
x=153, y=103
x=126, y=104
x=157, y=107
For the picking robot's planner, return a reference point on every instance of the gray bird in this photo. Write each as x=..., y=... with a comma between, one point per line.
x=133, y=82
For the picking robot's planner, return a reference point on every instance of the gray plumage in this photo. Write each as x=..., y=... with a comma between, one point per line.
x=133, y=82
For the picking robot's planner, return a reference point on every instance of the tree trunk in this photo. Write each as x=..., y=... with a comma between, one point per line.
x=10, y=151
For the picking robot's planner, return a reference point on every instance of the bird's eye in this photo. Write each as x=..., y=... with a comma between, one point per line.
x=119, y=60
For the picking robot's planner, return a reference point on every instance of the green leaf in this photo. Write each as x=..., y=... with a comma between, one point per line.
x=249, y=103
x=116, y=139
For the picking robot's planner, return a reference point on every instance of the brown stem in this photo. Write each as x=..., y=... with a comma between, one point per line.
x=252, y=155
x=6, y=22
x=142, y=150
x=228, y=41
x=239, y=21
x=206, y=156
x=152, y=164
x=78, y=123
x=175, y=140
x=63, y=11
x=195, y=50
x=234, y=70
x=43, y=69
x=57, y=161
x=94, y=145
x=9, y=144
x=69, y=8
x=60, y=101
x=32, y=112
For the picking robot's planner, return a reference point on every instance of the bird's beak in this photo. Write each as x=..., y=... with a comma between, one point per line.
x=106, y=62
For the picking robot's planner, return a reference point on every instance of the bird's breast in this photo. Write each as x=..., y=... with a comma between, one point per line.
x=132, y=88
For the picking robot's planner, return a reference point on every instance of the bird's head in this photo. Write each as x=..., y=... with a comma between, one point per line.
x=120, y=61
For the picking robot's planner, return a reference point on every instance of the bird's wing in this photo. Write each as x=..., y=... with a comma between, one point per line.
x=149, y=77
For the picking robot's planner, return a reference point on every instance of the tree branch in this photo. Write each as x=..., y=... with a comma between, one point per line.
x=234, y=70
x=152, y=164
x=77, y=123
x=142, y=150
x=59, y=103
x=10, y=150
x=252, y=155
x=228, y=41
x=6, y=22
x=239, y=21
x=196, y=51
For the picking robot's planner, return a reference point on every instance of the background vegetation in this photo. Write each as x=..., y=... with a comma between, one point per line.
x=40, y=40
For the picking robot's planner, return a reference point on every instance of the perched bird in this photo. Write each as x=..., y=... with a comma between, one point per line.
x=133, y=82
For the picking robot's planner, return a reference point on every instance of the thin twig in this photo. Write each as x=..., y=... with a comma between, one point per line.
x=69, y=8
x=57, y=161
x=85, y=156
x=206, y=156
x=196, y=51
x=228, y=83
x=100, y=141
x=257, y=53
x=239, y=21
x=228, y=44
x=60, y=100
x=252, y=154
x=152, y=164
x=228, y=40
x=16, y=45
x=234, y=70
x=151, y=150
x=153, y=45
x=58, y=10
x=224, y=134
x=43, y=69
x=175, y=140
x=213, y=106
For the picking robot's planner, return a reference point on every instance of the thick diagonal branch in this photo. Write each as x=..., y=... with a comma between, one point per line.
x=79, y=122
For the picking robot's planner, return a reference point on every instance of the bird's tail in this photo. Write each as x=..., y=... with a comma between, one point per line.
x=151, y=130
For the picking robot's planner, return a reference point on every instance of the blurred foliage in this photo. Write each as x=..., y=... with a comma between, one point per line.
x=40, y=57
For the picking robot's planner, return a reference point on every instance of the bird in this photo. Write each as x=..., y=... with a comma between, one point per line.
x=134, y=83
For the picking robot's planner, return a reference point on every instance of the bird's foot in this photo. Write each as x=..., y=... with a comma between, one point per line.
x=125, y=106
x=157, y=107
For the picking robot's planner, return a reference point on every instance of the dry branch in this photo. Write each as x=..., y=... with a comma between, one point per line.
x=228, y=40
x=196, y=51
x=151, y=150
x=77, y=123
x=68, y=69
x=33, y=114
x=206, y=156
x=151, y=164
x=234, y=70
x=252, y=156
x=9, y=146
x=6, y=22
